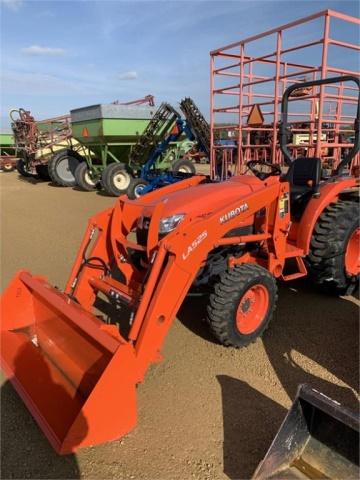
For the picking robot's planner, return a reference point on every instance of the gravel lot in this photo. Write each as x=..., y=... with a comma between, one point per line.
x=206, y=412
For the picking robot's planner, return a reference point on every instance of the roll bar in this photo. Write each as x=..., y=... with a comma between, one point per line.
x=283, y=127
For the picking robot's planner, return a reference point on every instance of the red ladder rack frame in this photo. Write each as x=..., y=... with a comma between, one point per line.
x=233, y=61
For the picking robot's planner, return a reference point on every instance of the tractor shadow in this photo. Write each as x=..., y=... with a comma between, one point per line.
x=250, y=422
x=25, y=452
x=313, y=339
x=311, y=328
x=192, y=315
x=308, y=326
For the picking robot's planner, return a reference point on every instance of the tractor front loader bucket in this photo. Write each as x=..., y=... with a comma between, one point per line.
x=74, y=373
x=319, y=438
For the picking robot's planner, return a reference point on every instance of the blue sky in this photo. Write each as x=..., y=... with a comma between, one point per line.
x=58, y=55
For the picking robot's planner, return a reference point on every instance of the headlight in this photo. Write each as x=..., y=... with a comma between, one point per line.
x=168, y=224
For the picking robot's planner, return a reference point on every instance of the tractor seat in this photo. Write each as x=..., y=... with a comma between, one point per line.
x=304, y=177
x=297, y=192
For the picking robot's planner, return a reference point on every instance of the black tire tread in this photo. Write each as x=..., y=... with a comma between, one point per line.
x=183, y=161
x=106, y=179
x=20, y=167
x=133, y=184
x=53, y=163
x=80, y=178
x=223, y=302
x=327, y=248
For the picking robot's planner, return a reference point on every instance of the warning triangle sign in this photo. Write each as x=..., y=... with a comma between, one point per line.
x=255, y=116
x=85, y=132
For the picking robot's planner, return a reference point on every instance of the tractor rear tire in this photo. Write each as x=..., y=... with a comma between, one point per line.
x=83, y=178
x=183, y=165
x=116, y=179
x=242, y=305
x=333, y=261
x=62, y=167
x=135, y=188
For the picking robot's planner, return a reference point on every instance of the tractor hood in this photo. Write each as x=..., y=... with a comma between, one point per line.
x=206, y=198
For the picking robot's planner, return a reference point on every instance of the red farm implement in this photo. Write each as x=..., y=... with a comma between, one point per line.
x=247, y=87
x=148, y=99
x=36, y=140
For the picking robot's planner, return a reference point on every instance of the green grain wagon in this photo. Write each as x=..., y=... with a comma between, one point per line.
x=107, y=132
x=8, y=155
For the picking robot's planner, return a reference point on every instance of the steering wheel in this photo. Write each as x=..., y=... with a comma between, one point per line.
x=275, y=170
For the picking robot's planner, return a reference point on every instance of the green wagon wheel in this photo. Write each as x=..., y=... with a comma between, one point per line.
x=116, y=179
x=83, y=178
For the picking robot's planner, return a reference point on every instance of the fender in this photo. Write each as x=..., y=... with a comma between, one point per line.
x=328, y=193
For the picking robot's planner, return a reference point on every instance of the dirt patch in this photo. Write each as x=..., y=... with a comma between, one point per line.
x=206, y=412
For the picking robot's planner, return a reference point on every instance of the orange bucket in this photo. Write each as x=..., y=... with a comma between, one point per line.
x=76, y=378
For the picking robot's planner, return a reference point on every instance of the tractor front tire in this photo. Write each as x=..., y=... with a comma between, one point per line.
x=242, y=305
x=83, y=178
x=62, y=167
x=115, y=179
x=135, y=187
x=333, y=260
x=184, y=166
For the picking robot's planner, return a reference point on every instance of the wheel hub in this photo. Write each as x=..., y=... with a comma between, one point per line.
x=121, y=180
x=252, y=309
x=89, y=180
x=66, y=167
x=138, y=189
x=352, y=254
x=245, y=305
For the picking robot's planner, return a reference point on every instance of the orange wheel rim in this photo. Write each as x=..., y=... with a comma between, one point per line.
x=252, y=309
x=352, y=253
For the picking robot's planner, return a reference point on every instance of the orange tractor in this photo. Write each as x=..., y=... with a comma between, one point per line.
x=76, y=357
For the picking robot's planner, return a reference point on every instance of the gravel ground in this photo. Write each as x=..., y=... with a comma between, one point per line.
x=205, y=412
